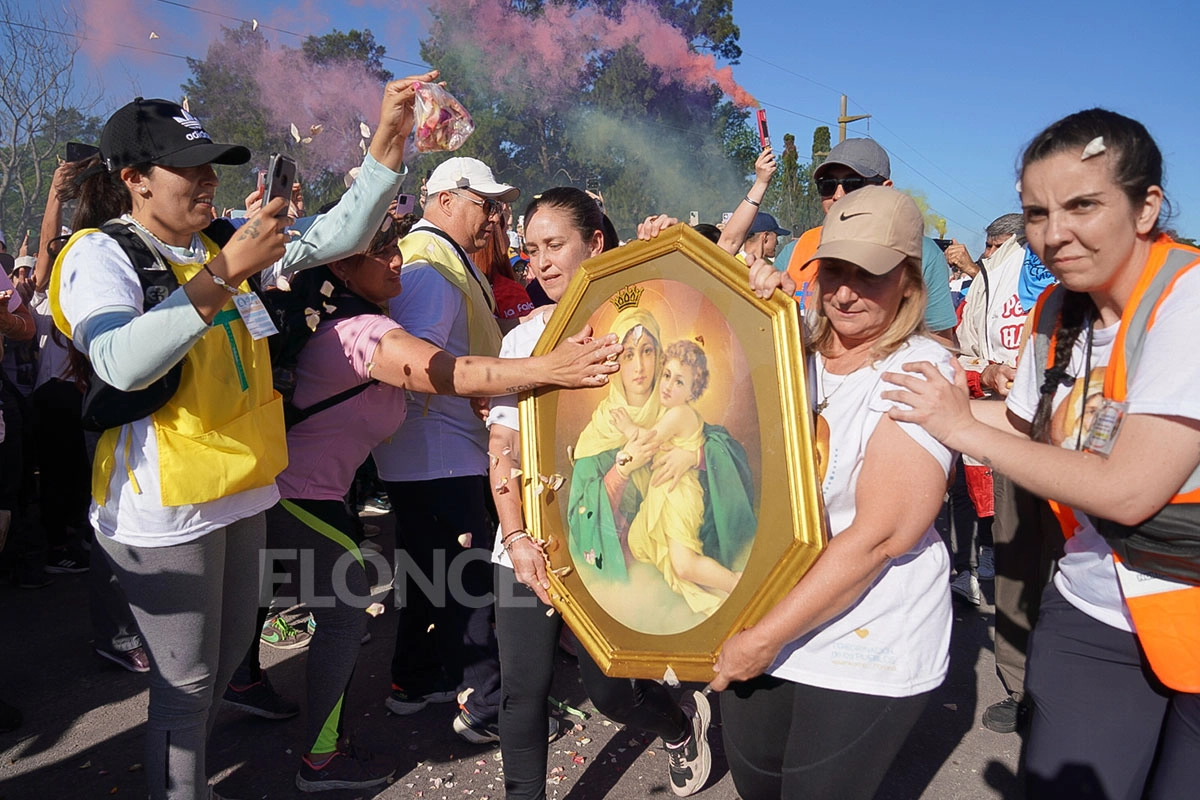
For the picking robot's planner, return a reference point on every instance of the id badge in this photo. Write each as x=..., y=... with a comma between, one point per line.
x=1102, y=435
x=255, y=315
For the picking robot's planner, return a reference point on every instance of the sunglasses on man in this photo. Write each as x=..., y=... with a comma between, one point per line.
x=488, y=205
x=828, y=186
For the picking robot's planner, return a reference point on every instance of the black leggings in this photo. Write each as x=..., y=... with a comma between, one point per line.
x=787, y=739
x=318, y=536
x=1103, y=724
x=527, y=640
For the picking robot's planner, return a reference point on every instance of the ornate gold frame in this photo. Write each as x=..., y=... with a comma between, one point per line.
x=791, y=528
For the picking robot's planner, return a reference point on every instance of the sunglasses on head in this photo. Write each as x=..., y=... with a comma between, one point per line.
x=827, y=186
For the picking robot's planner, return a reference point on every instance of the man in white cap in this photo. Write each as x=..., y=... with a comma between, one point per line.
x=435, y=467
x=851, y=165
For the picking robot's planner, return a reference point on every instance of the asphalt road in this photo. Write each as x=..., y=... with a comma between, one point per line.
x=82, y=736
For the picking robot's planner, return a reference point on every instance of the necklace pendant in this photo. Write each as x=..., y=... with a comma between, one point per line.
x=821, y=406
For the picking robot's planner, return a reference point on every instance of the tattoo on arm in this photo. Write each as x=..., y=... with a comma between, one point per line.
x=249, y=230
x=525, y=387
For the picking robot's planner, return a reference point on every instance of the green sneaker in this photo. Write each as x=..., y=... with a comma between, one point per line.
x=278, y=633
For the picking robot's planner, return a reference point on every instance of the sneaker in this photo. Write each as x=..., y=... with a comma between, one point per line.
x=282, y=636
x=347, y=769
x=1007, y=716
x=690, y=762
x=375, y=507
x=987, y=564
x=477, y=732
x=404, y=703
x=135, y=660
x=966, y=586
x=261, y=700
x=67, y=564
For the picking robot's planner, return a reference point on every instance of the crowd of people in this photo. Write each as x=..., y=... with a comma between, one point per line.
x=1022, y=417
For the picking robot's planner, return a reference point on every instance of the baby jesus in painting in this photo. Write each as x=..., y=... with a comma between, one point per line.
x=666, y=530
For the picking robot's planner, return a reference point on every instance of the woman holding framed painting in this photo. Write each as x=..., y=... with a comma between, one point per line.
x=822, y=692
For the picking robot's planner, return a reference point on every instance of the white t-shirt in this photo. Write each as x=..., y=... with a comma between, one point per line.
x=53, y=362
x=441, y=437
x=895, y=640
x=1167, y=382
x=100, y=277
x=518, y=343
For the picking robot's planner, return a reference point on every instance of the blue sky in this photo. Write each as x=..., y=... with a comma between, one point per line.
x=954, y=90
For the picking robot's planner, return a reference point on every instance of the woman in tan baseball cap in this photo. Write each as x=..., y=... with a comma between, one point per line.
x=821, y=694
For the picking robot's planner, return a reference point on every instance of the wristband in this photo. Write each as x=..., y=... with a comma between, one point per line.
x=219, y=281
x=754, y=203
x=511, y=534
x=512, y=538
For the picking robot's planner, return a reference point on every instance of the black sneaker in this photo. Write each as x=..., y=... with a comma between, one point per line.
x=403, y=702
x=66, y=563
x=477, y=732
x=1007, y=716
x=261, y=700
x=347, y=769
x=689, y=763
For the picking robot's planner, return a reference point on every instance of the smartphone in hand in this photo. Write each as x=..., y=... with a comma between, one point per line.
x=281, y=174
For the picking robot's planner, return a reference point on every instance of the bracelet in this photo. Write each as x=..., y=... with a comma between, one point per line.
x=754, y=203
x=511, y=534
x=512, y=538
x=219, y=281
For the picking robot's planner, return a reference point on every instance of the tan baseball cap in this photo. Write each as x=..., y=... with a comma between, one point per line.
x=875, y=228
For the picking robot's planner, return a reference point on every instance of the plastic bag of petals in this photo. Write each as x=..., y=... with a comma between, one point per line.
x=441, y=121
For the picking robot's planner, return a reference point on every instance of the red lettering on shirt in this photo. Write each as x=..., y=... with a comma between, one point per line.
x=1010, y=336
x=1012, y=308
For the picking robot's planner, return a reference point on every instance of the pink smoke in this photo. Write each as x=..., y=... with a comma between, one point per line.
x=551, y=51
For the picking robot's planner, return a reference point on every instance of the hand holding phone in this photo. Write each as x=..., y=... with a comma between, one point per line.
x=281, y=174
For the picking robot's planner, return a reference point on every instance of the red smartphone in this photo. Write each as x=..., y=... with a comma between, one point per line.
x=764, y=138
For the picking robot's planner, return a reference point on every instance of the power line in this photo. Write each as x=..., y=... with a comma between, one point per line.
x=84, y=38
x=933, y=183
x=272, y=28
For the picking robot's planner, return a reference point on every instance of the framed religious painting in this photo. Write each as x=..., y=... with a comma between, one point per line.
x=681, y=501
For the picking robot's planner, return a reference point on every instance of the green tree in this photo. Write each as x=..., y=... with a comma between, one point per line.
x=228, y=92
x=41, y=109
x=338, y=47
x=793, y=198
x=649, y=142
x=224, y=93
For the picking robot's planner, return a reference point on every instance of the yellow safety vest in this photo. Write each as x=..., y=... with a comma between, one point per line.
x=222, y=432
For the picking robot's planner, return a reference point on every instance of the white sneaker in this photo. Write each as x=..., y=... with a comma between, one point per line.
x=987, y=564
x=690, y=763
x=966, y=586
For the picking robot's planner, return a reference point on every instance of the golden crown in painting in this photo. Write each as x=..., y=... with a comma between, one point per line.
x=627, y=297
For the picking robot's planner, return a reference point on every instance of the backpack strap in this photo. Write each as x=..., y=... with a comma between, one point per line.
x=293, y=416
x=156, y=276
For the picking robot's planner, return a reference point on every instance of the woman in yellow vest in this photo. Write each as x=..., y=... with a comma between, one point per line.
x=1114, y=662
x=179, y=494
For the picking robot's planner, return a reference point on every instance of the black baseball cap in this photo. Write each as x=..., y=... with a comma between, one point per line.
x=164, y=133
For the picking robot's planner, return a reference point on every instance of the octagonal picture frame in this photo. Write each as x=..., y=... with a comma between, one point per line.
x=681, y=502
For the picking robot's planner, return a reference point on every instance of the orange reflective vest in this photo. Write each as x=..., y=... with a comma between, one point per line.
x=1158, y=560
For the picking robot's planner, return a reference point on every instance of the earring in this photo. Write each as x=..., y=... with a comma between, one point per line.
x=142, y=189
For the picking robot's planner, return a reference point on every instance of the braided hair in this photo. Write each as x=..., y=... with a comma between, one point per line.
x=1077, y=313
